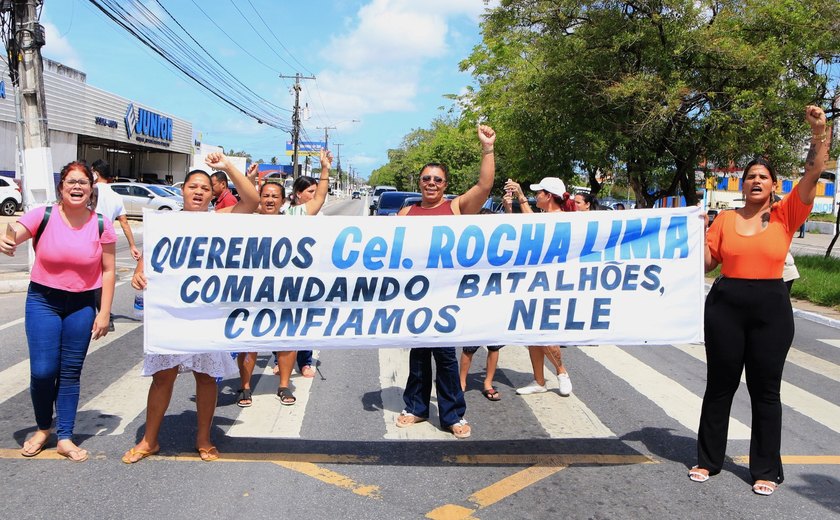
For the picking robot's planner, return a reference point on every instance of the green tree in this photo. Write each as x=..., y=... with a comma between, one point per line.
x=449, y=141
x=647, y=90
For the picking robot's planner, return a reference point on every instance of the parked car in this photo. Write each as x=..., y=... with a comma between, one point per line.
x=10, y=197
x=410, y=201
x=390, y=202
x=496, y=205
x=374, y=200
x=356, y=195
x=137, y=196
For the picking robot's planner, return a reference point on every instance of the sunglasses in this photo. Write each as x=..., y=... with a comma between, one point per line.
x=429, y=178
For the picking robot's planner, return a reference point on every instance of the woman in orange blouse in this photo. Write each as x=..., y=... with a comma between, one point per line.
x=748, y=317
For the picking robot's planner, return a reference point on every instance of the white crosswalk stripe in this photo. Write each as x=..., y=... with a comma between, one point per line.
x=560, y=417
x=116, y=407
x=675, y=400
x=393, y=373
x=123, y=401
x=806, y=403
x=15, y=379
x=266, y=418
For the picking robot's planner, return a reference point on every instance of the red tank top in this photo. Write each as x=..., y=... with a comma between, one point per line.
x=443, y=209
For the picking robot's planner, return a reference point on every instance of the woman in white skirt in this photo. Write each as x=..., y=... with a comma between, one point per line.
x=164, y=368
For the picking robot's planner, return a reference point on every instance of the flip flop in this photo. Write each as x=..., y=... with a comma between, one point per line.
x=405, y=419
x=697, y=476
x=77, y=455
x=38, y=447
x=208, y=454
x=491, y=394
x=130, y=454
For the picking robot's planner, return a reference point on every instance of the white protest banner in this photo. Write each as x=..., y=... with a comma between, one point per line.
x=262, y=283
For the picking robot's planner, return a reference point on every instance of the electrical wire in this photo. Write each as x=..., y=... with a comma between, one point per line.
x=197, y=63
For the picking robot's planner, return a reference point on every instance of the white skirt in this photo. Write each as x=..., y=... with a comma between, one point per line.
x=214, y=364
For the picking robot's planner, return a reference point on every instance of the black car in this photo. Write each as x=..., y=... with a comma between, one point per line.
x=356, y=195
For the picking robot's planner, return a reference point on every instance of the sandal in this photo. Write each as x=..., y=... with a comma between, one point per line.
x=285, y=396
x=697, y=476
x=128, y=457
x=243, y=398
x=461, y=430
x=764, y=487
x=31, y=448
x=491, y=394
x=307, y=371
x=76, y=455
x=405, y=419
x=208, y=454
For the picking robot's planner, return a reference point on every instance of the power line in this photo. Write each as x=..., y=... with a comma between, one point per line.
x=164, y=41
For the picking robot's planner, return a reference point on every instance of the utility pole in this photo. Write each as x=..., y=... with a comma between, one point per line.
x=326, y=130
x=26, y=70
x=296, y=121
x=338, y=166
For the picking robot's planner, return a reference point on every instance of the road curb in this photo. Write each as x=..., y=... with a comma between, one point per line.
x=817, y=318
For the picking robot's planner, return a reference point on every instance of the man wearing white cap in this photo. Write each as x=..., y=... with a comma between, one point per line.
x=551, y=197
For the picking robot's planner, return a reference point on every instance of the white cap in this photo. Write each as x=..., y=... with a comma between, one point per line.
x=553, y=185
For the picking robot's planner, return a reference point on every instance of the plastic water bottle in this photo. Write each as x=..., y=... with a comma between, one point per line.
x=138, y=305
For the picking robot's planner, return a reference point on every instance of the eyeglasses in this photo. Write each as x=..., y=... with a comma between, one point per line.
x=77, y=182
x=429, y=178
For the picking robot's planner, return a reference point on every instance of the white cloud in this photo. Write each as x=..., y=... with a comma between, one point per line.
x=378, y=63
x=59, y=49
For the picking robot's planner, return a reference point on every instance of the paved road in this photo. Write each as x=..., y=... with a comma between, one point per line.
x=619, y=447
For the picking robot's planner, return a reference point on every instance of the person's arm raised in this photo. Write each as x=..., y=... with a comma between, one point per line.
x=249, y=199
x=471, y=202
x=817, y=153
x=320, y=197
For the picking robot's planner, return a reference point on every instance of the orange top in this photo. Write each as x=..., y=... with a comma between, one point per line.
x=760, y=256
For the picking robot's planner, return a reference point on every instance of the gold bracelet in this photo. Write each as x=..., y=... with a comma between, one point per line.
x=487, y=152
x=820, y=137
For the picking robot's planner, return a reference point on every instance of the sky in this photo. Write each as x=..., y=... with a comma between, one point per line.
x=386, y=63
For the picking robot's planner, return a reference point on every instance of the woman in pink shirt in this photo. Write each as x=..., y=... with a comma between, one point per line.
x=74, y=256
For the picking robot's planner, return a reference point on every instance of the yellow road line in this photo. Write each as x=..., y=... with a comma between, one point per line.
x=495, y=492
x=550, y=459
x=331, y=477
x=512, y=484
x=798, y=459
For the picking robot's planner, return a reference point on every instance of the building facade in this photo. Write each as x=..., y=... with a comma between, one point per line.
x=88, y=123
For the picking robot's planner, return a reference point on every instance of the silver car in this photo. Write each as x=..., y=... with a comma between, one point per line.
x=137, y=196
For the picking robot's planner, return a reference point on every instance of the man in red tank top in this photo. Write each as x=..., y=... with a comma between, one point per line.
x=418, y=388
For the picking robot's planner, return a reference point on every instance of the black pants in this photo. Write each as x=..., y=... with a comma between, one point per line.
x=748, y=325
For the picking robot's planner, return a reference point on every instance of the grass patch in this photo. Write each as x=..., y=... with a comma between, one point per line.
x=822, y=217
x=819, y=280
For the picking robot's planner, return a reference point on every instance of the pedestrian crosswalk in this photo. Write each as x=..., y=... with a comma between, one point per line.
x=118, y=407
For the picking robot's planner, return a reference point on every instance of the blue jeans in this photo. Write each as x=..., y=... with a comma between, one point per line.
x=304, y=357
x=418, y=388
x=58, y=330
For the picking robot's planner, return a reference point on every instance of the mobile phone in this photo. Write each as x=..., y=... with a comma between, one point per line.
x=10, y=232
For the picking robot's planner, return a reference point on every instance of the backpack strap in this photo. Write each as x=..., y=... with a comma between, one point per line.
x=42, y=226
x=46, y=218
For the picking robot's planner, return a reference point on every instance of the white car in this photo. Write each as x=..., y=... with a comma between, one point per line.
x=10, y=197
x=137, y=196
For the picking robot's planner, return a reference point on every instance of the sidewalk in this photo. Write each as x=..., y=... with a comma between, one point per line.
x=15, y=276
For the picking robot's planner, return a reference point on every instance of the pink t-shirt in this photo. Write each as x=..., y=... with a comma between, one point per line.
x=68, y=259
